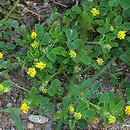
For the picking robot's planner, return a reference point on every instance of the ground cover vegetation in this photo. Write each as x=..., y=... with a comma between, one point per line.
x=65, y=59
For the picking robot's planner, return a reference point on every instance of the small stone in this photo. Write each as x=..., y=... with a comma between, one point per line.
x=30, y=126
x=13, y=128
x=0, y=103
x=9, y=105
x=38, y=119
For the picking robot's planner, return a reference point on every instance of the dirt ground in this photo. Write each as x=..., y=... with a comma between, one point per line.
x=15, y=96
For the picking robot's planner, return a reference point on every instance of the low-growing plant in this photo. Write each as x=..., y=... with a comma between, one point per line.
x=66, y=56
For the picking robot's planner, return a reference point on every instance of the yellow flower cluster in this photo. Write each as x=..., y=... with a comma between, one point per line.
x=1, y=55
x=33, y=35
x=127, y=110
x=71, y=109
x=24, y=107
x=95, y=12
x=121, y=35
x=77, y=115
x=72, y=54
x=31, y=72
x=100, y=61
x=112, y=119
x=40, y=65
x=1, y=87
x=35, y=44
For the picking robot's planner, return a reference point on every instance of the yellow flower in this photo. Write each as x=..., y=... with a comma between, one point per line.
x=24, y=107
x=77, y=115
x=71, y=109
x=35, y=44
x=33, y=35
x=1, y=87
x=72, y=54
x=95, y=12
x=127, y=110
x=1, y=55
x=40, y=65
x=100, y=61
x=31, y=72
x=121, y=35
x=112, y=119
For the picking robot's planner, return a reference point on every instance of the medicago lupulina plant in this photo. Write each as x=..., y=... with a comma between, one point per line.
x=57, y=57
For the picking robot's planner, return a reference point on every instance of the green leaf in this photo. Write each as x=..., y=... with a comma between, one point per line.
x=82, y=123
x=70, y=45
x=72, y=124
x=7, y=84
x=104, y=98
x=55, y=83
x=125, y=4
x=113, y=3
x=57, y=115
x=85, y=22
x=71, y=34
x=2, y=45
x=51, y=56
x=54, y=88
x=101, y=30
x=128, y=94
x=126, y=56
x=10, y=46
x=51, y=91
x=89, y=113
x=66, y=61
x=64, y=53
x=85, y=59
x=96, y=85
x=81, y=106
x=54, y=16
x=125, y=26
x=119, y=106
x=14, y=114
x=58, y=50
x=30, y=55
x=77, y=9
x=120, y=119
x=39, y=30
x=100, y=22
x=46, y=39
x=118, y=20
x=77, y=43
x=5, y=64
x=85, y=84
x=114, y=44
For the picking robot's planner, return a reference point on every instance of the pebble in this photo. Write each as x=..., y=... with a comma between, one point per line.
x=38, y=119
x=9, y=104
x=30, y=126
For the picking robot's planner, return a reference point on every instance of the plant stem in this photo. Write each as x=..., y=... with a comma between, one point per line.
x=20, y=87
x=13, y=8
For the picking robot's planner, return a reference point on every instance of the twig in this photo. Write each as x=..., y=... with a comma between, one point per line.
x=13, y=8
x=60, y=4
x=20, y=5
x=50, y=117
x=20, y=87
